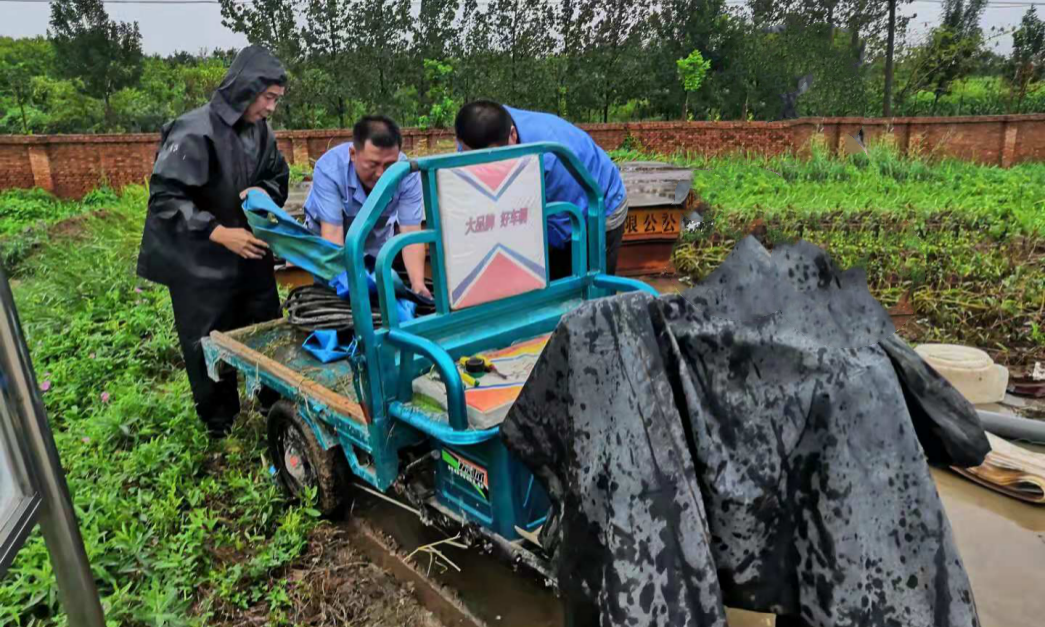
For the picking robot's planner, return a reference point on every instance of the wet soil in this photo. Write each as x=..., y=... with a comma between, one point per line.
x=1001, y=541
x=76, y=226
x=335, y=584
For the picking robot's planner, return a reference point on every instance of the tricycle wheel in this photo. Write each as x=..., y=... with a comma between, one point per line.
x=300, y=461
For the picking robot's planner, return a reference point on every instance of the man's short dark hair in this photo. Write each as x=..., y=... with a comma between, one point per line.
x=483, y=123
x=379, y=130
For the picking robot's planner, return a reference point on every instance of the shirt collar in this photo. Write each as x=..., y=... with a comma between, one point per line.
x=514, y=115
x=358, y=193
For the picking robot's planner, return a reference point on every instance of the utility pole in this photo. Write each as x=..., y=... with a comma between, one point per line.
x=887, y=109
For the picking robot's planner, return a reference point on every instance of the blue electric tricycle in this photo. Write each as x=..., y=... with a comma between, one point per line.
x=358, y=420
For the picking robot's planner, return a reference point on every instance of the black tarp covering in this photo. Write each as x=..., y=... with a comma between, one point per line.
x=747, y=443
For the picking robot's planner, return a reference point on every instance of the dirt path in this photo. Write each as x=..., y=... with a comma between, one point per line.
x=336, y=584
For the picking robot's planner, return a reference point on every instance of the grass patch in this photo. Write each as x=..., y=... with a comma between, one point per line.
x=1001, y=202
x=965, y=241
x=300, y=173
x=179, y=530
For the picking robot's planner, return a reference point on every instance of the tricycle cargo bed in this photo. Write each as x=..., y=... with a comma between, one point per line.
x=276, y=348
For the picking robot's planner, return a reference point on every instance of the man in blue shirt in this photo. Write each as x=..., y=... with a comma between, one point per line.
x=487, y=124
x=345, y=176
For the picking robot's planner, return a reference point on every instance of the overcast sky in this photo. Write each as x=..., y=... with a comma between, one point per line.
x=166, y=29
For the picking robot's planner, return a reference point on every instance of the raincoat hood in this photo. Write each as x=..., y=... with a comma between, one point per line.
x=252, y=72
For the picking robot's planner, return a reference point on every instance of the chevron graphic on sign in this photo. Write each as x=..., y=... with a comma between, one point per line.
x=502, y=273
x=492, y=223
x=492, y=179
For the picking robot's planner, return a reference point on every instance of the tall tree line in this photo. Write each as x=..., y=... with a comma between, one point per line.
x=587, y=60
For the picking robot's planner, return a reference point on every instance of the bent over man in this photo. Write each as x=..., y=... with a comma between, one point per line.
x=487, y=124
x=197, y=241
x=342, y=181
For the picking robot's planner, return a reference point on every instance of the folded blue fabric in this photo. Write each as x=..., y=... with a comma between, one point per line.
x=323, y=345
x=291, y=240
x=407, y=308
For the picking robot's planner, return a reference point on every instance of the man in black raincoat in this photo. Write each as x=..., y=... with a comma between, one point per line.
x=197, y=241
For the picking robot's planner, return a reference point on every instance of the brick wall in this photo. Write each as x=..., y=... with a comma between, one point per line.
x=71, y=165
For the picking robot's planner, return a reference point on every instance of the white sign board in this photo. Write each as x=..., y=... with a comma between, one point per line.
x=492, y=220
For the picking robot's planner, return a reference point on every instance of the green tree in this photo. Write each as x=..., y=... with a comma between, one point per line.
x=677, y=27
x=442, y=106
x=519, y=30
x=105, y=55
x=571, y=20
x=1027, y=63
x=614, y=50
x=69, y=109
x=948, y=54
x=380, y=29
x=158, y=98
x=273, y=24
x=434, y=37
x=476, y=57
x=853, y=31
x=200, y=80
x=329, y=49
x=20, y=61
x=692, y=71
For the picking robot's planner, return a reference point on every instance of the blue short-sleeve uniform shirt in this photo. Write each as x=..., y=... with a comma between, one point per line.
x=337, y=196
x=559, y=184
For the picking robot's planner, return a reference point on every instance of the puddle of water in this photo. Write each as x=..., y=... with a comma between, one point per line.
x=1002, y=543
x=495, y=592
x=664, y=284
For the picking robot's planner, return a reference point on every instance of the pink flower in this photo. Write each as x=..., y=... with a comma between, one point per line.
x=92, y=355
x=105, y=397
x=46, y=385
x=85, y=440
x=137, y=290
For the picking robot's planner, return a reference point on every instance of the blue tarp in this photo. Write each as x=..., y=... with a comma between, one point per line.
x=323, y=345
x=294, y=242
x=291, y=240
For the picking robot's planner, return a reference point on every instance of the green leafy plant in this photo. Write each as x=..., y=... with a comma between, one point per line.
x=175, y=526
x=963, y=240
x=692, y=71
x=442, y=106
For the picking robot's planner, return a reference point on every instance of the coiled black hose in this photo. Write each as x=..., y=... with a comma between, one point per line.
x=318, y=307
x=314, y=307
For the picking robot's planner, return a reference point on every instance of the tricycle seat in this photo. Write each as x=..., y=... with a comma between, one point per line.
x=488, y=395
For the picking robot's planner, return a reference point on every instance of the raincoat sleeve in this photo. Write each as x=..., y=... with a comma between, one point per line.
x=182, y=168
x=274, y=176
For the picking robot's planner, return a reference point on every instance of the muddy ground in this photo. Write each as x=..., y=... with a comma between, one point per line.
x=1001, y=540
x=336, y=584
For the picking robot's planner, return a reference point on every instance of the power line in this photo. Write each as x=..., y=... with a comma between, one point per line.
x=1001, y=4
x=126, y=1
